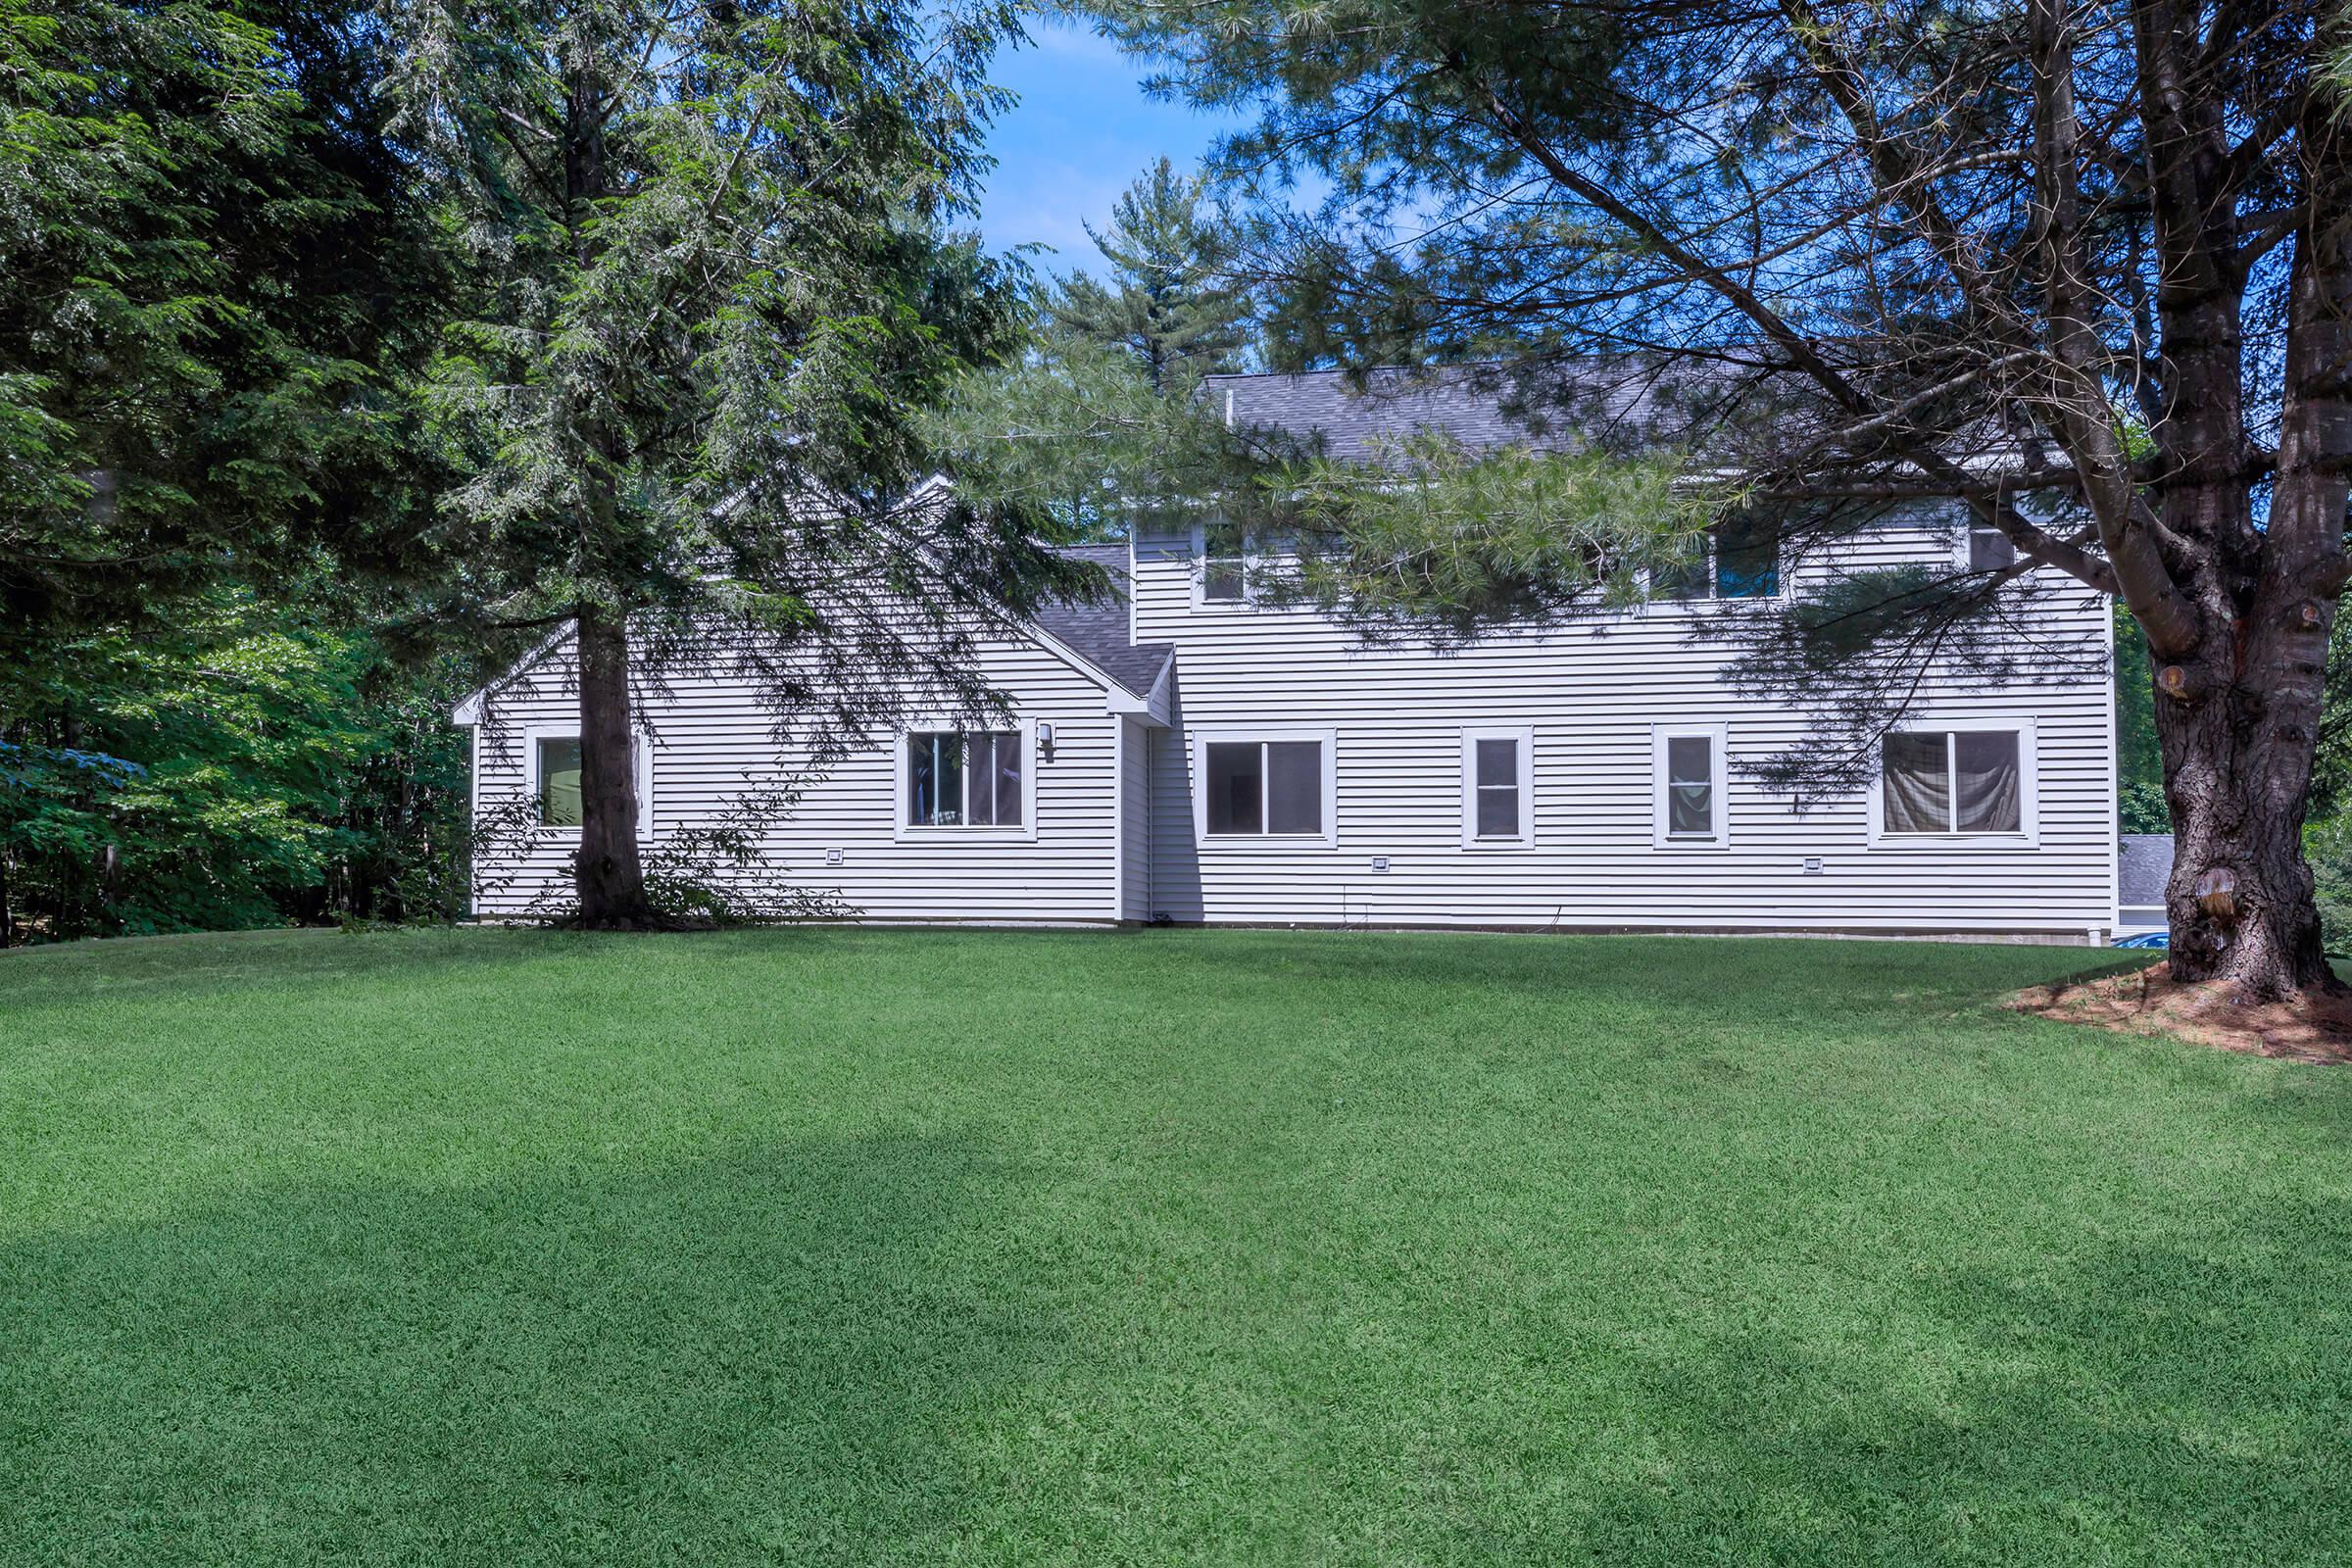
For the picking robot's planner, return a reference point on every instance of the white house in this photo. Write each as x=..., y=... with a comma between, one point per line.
x=1189, y=756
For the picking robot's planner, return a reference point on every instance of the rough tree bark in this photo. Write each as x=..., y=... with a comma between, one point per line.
x=610, y=882
x=2237, y=712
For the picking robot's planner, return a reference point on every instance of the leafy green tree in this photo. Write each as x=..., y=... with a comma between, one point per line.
x=256, y=764
x=2082, y=270
x=711, y=285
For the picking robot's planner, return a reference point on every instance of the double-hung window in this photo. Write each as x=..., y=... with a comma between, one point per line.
x=1738, y=559
x=1224, y=564
x=1687, y=791
x=1272, y=786
x=1498, y=794
x=964, y=778
x=1949, y=782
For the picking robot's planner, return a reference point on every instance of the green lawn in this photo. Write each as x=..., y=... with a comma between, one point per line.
x=839, y=1247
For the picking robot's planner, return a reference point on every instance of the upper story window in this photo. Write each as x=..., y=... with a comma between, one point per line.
x=1497, y=793
x=1687, y=785
x=1954, y=781
x=1271, y=784
x=1224, y=550
x=1739, y=559
x=960, y=778
x=1988, y=549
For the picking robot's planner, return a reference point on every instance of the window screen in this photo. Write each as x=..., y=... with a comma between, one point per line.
x=1690, y=787
x=1263, y=785
x=559, y=781
x=1224, y=572
x=1497, y=788
x=955, y=779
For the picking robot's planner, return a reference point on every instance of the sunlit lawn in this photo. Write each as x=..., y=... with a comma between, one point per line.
x=840, y=1247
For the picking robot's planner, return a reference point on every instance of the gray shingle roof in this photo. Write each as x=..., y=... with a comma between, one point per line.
x=2145, y=864
x=1478, y=405
x=1097, y=632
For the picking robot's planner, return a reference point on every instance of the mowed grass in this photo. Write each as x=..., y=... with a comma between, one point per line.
x=818, y=1246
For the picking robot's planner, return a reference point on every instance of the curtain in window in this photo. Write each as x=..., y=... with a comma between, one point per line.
x=560, y=782
x=1918, y=784
x=1985, y=781
x=1690, y=787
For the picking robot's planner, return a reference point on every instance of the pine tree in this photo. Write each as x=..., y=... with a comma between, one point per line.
x=713, y=283
x=2079, y=269
x=1168, y=301
x=1102, y=418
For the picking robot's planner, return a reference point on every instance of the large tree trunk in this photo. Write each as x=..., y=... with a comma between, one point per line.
x=611, y=883
x=2236, y=772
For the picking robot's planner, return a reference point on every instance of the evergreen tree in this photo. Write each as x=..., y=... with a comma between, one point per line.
x=713, y=286
x=1168, y=302
x=1102, y=418
x=2079, y=268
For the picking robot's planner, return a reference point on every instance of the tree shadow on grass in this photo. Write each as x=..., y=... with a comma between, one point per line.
x=2182, y=1399
x=765, y=1357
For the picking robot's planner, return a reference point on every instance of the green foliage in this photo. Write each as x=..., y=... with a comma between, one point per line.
x=255, y=766
x=1101, y=422
x=210, y=267
x=1168, y=304
x=2327, y=850
x=710, y=286
x=1454, y=540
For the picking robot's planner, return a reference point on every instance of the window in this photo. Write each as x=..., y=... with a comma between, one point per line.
x=559, y=780
x=957, y=779
x=1739, y=559
x=1953, y=781
x=1990, y=549
x=552, y=779
x=1497, y=793
x=1688, y=786
x=1267, y=785
x=1224, y=564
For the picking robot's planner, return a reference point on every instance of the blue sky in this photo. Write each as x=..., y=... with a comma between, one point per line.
x=1081, y=133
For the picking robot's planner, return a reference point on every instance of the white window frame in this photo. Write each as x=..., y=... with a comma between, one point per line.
x=906, y=832
x=2029, y=784
x=1524, y=735
x=1222, y=735
x=533, y=734
x=1250, y=561
x=1718, y=738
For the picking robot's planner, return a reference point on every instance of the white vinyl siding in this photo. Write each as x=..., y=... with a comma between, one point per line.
x=1595, y=689
x=713, y=738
